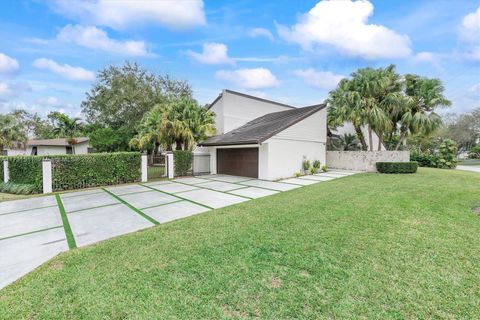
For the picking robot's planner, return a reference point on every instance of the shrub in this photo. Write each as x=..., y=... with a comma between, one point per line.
x=92, y=170
x=76, y=171
x=16, y=188
x=397, y=167
x=1, y=168
x=324, y=168
x=316, y=164
x=425, y=159
x=313, y=170
x=474, y=153
x=305, y=165
x=297, y=174
x=448, y=152
x=183, y=161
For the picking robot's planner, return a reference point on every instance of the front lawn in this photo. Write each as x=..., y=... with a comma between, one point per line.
x=367, y=246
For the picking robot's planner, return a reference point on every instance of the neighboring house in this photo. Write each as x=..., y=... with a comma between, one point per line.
x=264, y=139
x=52, y=147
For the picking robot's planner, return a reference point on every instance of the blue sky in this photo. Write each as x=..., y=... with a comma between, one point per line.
x=290, y=51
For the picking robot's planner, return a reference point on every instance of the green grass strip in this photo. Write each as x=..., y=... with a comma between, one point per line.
x=155, y=222
x=66, y=225
x=211, y=189
x=31, y=232
x=180, y=197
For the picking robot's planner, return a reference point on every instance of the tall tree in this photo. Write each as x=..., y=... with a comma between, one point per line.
x=415, y=113
x=11, y=132
x=179, y=122
x=66, y=127
x=122, y=95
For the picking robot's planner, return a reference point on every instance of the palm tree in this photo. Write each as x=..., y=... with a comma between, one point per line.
x=364, y=100
x=415, y=114
x=10, y=132
x=68, y=127
x=180, y=122
x=345, y=142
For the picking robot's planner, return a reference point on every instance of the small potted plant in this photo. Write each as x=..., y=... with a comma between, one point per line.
x=324, y=168
x=313, y=170
x=316, y=165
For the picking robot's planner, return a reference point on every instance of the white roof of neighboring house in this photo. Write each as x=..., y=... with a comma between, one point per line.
x=54, y=142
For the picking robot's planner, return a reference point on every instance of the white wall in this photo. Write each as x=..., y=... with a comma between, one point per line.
x=233, y=111
x=16, y=152
x=348, y=128
x=364, y=160
x=81, y=148
x=304, y=140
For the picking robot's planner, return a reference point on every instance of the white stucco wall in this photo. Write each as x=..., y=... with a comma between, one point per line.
x=347, y=127
x=16, y=152
x=364, y=160
x=233, y=111
x=81, y=148
x=304, y=140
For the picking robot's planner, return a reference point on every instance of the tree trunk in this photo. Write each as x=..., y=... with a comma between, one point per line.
x=370, y=138
x=361, y=137
x=402, y=137
x=380, y=140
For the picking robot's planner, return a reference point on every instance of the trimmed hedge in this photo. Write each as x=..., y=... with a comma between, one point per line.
x=1, y=168
x=397, y=167
x=76, y=171
x=183, y=162
x=16, y=188
x=93, y=170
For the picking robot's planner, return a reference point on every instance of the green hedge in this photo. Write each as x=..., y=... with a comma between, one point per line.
x=26, y=170
x=183, y=162
x=92, y=170
x=397, y=167
x=1, y=168
x=76, y=171
x=16, y=188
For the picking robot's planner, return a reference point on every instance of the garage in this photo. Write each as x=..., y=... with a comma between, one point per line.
x=238, y=162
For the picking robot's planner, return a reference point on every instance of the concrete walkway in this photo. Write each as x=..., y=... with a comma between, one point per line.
x=32, y=231
x=469, y=168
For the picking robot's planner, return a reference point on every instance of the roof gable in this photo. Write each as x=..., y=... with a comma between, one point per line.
x=264, y=127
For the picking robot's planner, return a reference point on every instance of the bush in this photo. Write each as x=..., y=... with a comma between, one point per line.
x=76, y=171
x=1, y=168
x=397, y=167
x=324, y=168
x=93, y=170
x=306, y=165
x=425, y=159
x=16, y=188
x=313, y=170
x=297, y=174
x=448, y=152
x=183, y=162
x=474, y=153
x=316, y=164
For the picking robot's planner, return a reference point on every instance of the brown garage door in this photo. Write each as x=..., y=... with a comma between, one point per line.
x=238, y=161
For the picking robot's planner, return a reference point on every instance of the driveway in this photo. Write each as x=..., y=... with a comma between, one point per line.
x=469, y=168
x=32, y=231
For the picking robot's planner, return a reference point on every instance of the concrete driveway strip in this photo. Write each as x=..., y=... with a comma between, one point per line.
x=87, y=201
x=174, y=187
x=277, y=186
x=148, y=199
x=27, y=204
x=97, y=224
x=252, y=192
x=29, y=221
x=212, y=199
x=174, y=211
x=20, y=255
x=299, y=181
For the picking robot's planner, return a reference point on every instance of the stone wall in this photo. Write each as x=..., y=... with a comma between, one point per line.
x=364, y=160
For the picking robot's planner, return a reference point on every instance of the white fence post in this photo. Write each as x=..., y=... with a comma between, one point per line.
x=47, y=175
x=6, y=174
x=170, y=166
x=144, y=168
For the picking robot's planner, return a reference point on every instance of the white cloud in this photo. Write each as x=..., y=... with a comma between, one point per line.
x=470, y=33
x=344, y=26
x=96, y=38
x=319, y=79
x=428, y=57
x=125, y=13
x=8, y=65
x=9, y=91
x=213, y=53
x=65, y=70
x=48, y=101
x=261, y=32
x=474, y=91
x=257, y=78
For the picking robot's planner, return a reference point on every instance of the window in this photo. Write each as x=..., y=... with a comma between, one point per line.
x=34, y=151
x=69, y=150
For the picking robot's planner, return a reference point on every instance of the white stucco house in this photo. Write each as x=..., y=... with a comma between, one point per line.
x=51, y=147
x=264, y=139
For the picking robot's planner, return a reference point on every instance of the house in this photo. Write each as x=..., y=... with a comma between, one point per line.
x=52, y=147
x=264, y=139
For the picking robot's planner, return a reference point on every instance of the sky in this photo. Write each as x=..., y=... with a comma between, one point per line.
x=291, y=51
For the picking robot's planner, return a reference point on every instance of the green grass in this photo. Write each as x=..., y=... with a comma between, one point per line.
x=9, y=196
x=369, y=246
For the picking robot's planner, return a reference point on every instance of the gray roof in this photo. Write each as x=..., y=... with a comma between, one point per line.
x=54, y=142
x=248, y=96
x=262, y=128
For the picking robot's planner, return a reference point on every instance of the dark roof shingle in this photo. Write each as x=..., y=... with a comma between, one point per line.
x=262, y=128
